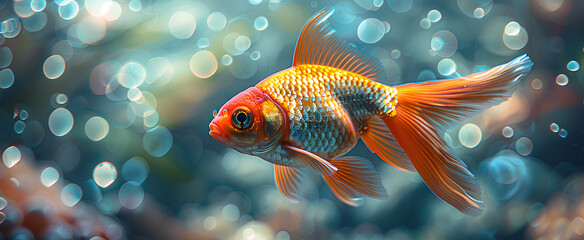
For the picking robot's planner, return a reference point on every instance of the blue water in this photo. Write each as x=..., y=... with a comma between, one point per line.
x=134, y=83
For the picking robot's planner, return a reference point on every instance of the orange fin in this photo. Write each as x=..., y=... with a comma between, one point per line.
x=319, y=44
x=423, y=108
x=289, y=181
x=312, y=161
x=345, y=194
x=379, y=140
x=359, y=174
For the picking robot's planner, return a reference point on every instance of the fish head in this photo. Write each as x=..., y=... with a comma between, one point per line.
x=251, y=122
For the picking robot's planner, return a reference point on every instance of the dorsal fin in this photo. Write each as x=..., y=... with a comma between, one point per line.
x=319, y=44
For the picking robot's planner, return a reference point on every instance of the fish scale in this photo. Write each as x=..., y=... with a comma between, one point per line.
x=327, y=107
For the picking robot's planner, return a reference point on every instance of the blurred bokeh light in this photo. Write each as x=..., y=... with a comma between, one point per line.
x=105, y=105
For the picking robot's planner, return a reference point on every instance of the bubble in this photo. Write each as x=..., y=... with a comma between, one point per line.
x=96, y=128
x=479, y=13
x=395, y=54
x=507, y=132
x=475, y=8
x=444, y=43
x=71, y=194
x=255, y=55
x=135, y=169
x=157, y=141
x=135, y=5
x=203, y=43
x=554, y=127
x=226, y=60
x=446, y=67
x=562, y=80
x=283, y=235
x=260, y=23
x=230, y=213
x=49, y=176
x=536, y=84
x=132, y=74
x=131, y=195
x=470, y=135
x=182, y=25
x=111, y=11
x=11, y=156
x=6, y=78
x=104, y=174
x=425, y=23
x=572, y=65
x=60, y=122
x=19, y=127
x=524, y=146
x=23, y=114
x=434, y=15
x=563, y=133
x=515, y=36
x=61, y=98
x=151, y=118
x=216, y=21
x=69, y=10
x=38, y=5
x=512, y=28
x=89, y=30
x=503, y=170
x=242, y=43
x=134, y=94
x=255, y=2
x=54, y=66
x=400, y=6
x=371, y=30
x=203, y=64
x=10, y=28
x=36, y=22
x=5, y=57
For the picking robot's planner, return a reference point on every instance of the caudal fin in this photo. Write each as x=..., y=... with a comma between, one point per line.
x=425, y=108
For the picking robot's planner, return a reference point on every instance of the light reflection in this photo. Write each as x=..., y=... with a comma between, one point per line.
x=104, y=174
x=96, y=128
x=371, y=30
x=49, y=176
x=54, y=67
x=182, y=25
x=203, y=64
x=71, y=194
x=470, y=135
x=60, y=122
x=11, y=156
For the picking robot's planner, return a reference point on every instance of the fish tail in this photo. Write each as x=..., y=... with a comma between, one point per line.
x=424, y=109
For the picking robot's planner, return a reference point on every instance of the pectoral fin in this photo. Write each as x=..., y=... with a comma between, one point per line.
x=289, y=182
x=312, y=161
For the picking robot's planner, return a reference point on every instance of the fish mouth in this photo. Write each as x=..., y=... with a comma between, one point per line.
x=215, y=132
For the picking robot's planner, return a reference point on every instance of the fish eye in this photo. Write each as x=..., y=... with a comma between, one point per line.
x=241, y=118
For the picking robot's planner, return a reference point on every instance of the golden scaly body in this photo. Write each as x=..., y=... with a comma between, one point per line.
x=327, y=107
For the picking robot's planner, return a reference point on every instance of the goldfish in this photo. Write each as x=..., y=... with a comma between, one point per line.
x=310, y=115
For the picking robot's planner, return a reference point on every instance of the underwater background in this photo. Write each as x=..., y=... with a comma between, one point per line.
x=105, y=106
